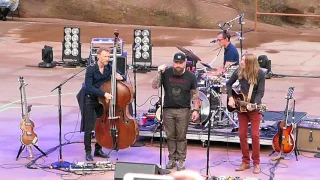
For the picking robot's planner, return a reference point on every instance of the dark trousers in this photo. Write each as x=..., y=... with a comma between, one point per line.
x=255, y=119
x=92, y=109
x=175, y=123
x=4, y=12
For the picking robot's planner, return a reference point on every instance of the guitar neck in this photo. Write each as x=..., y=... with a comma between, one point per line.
x=255, y=106
x=25, y=105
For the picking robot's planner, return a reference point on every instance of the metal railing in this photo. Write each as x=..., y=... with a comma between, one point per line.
x=276, y=14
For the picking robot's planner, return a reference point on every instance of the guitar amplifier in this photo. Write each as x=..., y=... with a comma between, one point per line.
x=308, y=136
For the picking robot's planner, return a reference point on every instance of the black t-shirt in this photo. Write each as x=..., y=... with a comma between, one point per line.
x=177, y=88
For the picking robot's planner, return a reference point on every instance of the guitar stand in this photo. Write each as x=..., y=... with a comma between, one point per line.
x=24, y=146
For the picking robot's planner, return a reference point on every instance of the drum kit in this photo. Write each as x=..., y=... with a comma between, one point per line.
x=212, y=84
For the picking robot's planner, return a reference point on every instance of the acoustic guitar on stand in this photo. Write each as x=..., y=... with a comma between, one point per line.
x=283, y=141
x=241, y=103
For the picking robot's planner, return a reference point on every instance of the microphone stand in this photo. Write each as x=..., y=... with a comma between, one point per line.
x=135, y=83
x=62, y=163
x=241, y=31
x=162, y=171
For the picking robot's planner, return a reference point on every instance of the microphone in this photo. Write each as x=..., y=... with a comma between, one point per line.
x=214, y=41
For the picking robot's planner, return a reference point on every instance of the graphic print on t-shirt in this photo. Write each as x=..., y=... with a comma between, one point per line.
x=176, y=92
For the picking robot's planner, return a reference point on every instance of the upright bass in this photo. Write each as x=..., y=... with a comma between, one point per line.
x=116, y=128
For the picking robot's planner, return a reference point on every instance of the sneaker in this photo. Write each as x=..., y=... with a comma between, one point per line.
x=171, y=164
x=181, y=165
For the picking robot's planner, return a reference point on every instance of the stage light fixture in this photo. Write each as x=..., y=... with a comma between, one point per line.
x=142, y=47
x=47, y=58
x=71, y=46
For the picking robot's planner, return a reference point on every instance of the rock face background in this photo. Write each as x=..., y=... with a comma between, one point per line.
x=177, y=13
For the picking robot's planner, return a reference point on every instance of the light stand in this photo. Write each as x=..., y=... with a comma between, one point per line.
x=162, y=171
x=62, y=163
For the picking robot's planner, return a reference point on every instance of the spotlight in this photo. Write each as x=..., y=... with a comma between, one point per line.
x=71, y=46
x=142, y=47
x=47, y=58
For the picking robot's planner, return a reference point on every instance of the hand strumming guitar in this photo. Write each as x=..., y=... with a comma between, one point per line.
x=231, y=102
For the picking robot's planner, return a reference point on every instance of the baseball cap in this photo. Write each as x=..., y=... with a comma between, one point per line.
x=179, y=57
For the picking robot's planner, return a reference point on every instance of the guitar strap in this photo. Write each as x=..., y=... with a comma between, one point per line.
x=250, y=92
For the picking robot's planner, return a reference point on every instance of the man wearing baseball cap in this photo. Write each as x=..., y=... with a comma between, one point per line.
x=180, y=88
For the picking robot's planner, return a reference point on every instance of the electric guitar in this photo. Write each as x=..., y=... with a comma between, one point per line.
x=28, y=136
x=283, y=140
x=241, y=103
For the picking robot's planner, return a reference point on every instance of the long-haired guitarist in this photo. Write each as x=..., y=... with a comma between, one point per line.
x=248, y=73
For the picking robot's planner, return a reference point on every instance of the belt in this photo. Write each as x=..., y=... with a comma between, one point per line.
x=177, y=107
x=91, y=96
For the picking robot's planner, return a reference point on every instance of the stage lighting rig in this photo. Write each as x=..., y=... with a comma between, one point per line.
x=71, y=46
x=142, y=47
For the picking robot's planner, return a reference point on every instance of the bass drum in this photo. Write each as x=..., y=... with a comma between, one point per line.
x=208, y=101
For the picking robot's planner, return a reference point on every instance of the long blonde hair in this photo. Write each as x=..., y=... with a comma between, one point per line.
x=251, y=69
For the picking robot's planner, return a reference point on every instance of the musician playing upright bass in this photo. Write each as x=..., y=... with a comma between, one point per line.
x=96, y=76
x=248, y=73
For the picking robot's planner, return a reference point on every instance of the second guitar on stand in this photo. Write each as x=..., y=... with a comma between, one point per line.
x=28, y=136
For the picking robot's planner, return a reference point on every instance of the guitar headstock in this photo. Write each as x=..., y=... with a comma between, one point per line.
x=21, y=80
x=290, y=93
x=263, y=108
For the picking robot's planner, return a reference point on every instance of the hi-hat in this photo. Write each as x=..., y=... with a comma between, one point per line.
x=208, y=66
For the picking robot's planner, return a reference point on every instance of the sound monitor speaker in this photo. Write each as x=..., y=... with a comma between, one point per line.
x=308, y=137
x=122, y=64
x=125, y=167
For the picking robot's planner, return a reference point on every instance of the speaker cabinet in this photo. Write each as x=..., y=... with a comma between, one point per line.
x=125, y=167
x=308, y=136
x=122, y=64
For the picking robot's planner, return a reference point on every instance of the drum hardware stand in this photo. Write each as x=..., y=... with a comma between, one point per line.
x=219, y=110
x=229, y=26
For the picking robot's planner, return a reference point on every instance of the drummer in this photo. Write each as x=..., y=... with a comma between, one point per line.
x=231, y=55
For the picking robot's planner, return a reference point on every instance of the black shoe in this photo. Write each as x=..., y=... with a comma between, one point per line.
x=100, y=153
x=89, y=156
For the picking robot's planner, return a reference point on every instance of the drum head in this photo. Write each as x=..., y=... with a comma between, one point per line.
x=204, y=110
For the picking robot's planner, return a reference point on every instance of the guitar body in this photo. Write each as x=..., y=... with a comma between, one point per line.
x=28, y=136
x=237, y=98
x=283, y=138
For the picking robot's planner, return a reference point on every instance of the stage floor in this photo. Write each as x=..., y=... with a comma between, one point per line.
x=224, y=133
x=21, y=59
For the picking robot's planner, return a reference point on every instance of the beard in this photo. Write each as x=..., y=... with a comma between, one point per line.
x=178, y=71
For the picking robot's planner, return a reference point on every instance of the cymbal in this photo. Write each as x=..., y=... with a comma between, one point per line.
x=209, y=68
x=189, y=53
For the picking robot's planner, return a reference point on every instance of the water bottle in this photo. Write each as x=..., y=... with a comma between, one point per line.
x=139, y=118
